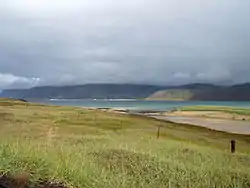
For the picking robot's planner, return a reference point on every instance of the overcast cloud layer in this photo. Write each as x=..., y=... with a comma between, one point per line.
x=169, y=42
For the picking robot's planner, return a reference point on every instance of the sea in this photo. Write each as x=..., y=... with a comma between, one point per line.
x=137, y=105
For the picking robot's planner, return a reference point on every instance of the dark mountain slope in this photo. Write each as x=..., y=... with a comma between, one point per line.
x=98, y=91
x=132, y=91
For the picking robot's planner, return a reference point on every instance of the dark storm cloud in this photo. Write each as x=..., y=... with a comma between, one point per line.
x=143, y=41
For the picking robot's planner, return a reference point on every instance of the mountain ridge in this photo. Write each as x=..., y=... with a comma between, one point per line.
x=196, y=91
x=87, y=91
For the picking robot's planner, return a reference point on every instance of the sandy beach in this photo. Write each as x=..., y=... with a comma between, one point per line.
x=219, y=121
x=225, y=125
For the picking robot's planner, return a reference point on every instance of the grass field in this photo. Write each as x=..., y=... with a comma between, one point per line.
x=225, y=109
x=92, y=148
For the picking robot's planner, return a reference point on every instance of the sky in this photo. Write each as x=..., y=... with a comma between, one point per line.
x=164, y=42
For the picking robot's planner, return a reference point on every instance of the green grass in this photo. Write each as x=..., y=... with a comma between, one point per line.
x=92, y=148
x=225, y=109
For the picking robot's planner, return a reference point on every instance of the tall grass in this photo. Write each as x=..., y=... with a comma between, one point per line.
x=99, y=149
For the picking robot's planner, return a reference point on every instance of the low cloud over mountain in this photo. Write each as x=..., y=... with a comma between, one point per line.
x=168, y=42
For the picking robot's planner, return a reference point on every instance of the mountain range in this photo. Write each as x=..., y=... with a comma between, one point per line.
x=135, y=91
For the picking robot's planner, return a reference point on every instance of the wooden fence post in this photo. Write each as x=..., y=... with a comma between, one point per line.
x=78, y=114
x=233, y=146
x=158, y=132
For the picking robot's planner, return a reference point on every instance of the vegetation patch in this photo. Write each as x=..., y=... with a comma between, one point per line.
x=6, y=116
x=143, y=168
x=225, y=109
x=23, y=181
x=147, y=171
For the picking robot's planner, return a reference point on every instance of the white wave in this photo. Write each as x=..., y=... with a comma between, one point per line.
x=121, y=99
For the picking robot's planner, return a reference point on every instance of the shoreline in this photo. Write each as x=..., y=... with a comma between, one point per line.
x=198, y=116
x=206, y=119
x=229, y=126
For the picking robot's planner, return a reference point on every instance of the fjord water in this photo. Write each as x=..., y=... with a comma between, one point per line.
x=138, y=105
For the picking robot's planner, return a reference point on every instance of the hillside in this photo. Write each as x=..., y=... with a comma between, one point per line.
x=89, y=91
x=205, y=93
x=172, y=94
x=95, y=149
x=132, y=91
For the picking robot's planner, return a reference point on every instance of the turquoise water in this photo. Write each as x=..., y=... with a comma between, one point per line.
x=140, y=105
